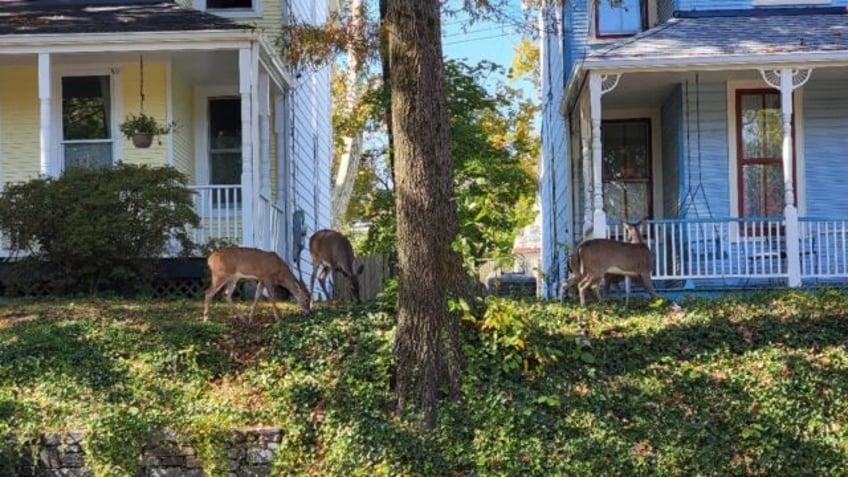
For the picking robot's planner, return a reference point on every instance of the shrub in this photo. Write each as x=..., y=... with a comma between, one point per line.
x=96, y=228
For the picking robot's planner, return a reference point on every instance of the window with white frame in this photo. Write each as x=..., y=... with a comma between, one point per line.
x=232, y=8
x=86, y=121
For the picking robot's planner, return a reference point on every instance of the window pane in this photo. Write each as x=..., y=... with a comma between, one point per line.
x=226, y=168
x=88, y=155
x=229, y=4
x=775, y=199
x=225, y=124
x=753, y=190
x=762, y=132
x=638, y=200
x=621, y=19
x=86, y=105
x=625, y=150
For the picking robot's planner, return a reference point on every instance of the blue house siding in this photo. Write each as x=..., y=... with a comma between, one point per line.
x=576, y=33
x=671, y=118
x=553, y=177
x=825, y=147
x=705, y=117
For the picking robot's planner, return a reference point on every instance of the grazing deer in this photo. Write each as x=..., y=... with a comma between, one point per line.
x=229, y=265
x=331, y=250
x=611, y=261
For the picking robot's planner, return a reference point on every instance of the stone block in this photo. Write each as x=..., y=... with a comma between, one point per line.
x=259, y=456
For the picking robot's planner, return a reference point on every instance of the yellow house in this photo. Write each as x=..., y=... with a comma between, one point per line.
x=253, y=138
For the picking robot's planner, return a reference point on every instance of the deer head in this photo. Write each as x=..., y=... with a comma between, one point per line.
x=228, y=265
x=331, y=250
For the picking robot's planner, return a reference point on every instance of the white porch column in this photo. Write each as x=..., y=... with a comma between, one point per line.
x=598, y=86
x=247, y=79
x=265, y=231
x=787, y=80
x=44, y=97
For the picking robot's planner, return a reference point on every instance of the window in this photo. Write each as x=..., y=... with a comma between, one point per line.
x=86, y=121
x=229, y=4
x=225, y=148
x=624, y=18
x=626, y=154
x=759, y=143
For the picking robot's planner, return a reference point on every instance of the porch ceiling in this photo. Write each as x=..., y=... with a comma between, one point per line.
x=198, y=67
x=650, y=90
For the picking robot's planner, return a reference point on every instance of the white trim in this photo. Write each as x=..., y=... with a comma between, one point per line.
x=169, y=112
x=653, y=115
x=133, y=41
x=116, y=109
x=45, y=110
x=798, y=122
x=718, y=62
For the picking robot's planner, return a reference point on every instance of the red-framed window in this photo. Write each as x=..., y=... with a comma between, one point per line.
x=626, y=167
x=759, y=146
x=620, y=18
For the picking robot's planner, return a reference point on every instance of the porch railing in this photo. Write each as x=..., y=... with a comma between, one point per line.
x=744, y=248
x=220, y=211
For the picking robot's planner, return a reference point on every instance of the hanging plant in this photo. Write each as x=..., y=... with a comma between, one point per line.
x=142, y=128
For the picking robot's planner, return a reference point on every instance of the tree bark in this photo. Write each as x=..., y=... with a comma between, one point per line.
x=425, y=344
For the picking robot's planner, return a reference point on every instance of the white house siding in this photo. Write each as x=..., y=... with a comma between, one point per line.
x=671, y=117
x=553, y=177
x=826, y=143
x=739, y=4
x=311, y=141
x=709, y=115
x=183, y=137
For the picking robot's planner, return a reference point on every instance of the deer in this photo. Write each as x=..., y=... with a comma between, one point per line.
x=229, y=265
x=612, y=261
x=331, y=250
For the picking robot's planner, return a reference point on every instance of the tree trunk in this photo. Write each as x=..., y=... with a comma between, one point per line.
x=425, y=345
x=349, y=162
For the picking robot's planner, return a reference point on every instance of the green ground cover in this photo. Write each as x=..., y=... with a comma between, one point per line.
x=754, y=385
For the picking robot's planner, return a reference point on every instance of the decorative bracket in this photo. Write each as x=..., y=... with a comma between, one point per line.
x=799, y=77
x=609, y=82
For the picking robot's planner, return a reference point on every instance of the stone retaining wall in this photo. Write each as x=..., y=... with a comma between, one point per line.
x=249, y=453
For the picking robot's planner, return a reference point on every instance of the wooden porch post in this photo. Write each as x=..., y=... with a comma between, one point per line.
x=247, y=77
x=265, y=160
x=787, y=80
x=44, y=74
x=599, y=217
x=598, y=86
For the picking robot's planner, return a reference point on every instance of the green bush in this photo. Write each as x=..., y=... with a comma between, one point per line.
x=93, y=229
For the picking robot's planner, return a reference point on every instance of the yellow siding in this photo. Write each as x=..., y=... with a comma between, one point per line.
x=154, y=105
x=272, y=18
x=20, y=139
x=183, y=137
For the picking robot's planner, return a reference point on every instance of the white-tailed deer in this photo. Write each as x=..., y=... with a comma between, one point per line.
x=331, y=250
x=229, y=265
x=611, y=261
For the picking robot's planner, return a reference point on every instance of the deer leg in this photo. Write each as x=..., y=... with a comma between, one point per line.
x=585, y=283
x=315, y=265
x=649, y=285
x=269, y=285
x=322, y=280
x=259, y=285
x=626, y=291
x=228, y=293
x=214, y=288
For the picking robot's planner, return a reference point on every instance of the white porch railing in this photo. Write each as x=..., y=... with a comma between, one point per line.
x=220, y=211
x=271, y=232
x=744, y=248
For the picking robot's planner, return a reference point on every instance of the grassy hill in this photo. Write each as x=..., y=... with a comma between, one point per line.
x=754, y=385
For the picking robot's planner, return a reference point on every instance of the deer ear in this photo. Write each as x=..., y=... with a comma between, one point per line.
x=360, y=269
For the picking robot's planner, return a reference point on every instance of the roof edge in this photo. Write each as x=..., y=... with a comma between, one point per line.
x=760, y=12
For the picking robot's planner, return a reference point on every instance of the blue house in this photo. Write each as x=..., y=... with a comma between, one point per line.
x=725, y=121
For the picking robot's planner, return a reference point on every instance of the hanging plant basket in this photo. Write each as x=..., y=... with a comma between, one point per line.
x=142, y=139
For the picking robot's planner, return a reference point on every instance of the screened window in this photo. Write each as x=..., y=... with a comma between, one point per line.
x=626, y=165
x=86, y=119
x=759, y=153
x=619, y=18
x=225, y=146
